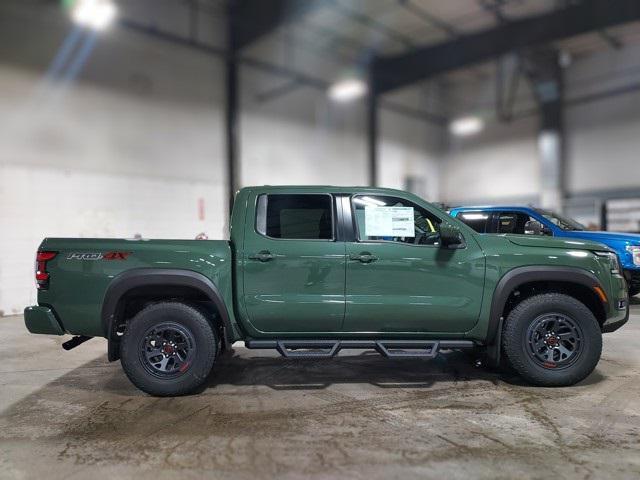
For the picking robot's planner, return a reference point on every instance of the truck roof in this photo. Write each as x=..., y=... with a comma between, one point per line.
x=323, y=189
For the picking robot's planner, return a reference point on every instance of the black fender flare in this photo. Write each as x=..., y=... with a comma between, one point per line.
x=521, y=275
x=145, y=277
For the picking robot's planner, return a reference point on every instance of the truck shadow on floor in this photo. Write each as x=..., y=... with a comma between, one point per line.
x=367, y=367
x=242, y=368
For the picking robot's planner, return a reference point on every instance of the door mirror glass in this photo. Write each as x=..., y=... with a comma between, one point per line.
x=533, y=227
x=450, y=237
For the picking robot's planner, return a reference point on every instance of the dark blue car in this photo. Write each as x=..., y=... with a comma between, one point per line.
x=535, y=221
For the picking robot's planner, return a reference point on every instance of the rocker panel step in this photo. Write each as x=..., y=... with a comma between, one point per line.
x=386, y=348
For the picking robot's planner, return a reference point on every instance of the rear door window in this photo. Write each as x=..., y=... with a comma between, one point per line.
x=295, y=216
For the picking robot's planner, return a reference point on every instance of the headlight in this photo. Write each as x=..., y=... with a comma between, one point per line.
x=613, y=260
x=635, y=253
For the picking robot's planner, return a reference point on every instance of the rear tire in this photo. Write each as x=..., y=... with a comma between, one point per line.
x=552, y=340
x=168, y=349
x=634, y=291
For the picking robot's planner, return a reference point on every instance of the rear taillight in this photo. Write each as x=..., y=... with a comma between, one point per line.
x=42, y=277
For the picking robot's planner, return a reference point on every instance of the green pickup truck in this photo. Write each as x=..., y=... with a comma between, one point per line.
x=311, y=270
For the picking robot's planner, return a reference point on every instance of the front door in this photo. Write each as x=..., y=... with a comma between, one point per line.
x=294, y=269
x=399, y=279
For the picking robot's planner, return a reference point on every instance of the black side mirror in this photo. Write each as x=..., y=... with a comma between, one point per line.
x=533, y=227
x=450, y=237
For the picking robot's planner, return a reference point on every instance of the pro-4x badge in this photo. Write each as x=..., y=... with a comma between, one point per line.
x=98, y=256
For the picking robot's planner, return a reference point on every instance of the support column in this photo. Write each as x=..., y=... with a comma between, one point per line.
x=231, y=107
x=372, y=133
x=545, y=74
x=551, y=154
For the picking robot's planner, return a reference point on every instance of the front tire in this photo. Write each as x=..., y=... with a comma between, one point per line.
x=168, y=349
x=552, y=340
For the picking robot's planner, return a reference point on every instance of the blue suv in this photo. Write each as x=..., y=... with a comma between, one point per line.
x=535, y=221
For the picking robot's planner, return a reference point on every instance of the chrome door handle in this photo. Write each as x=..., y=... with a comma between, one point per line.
x=263, y=256
x=363, y=257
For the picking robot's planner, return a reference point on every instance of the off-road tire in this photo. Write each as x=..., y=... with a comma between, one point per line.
x=519, y=356
x=185, y=318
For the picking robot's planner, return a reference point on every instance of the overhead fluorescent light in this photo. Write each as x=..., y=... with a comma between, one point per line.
x=465, y=126
x=94, y=14
x=347, y=90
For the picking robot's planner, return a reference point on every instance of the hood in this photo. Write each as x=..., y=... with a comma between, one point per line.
x=629, y=238
x=551, y=242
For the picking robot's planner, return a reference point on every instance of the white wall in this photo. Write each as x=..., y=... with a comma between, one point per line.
x=410, y=148
x=134, y=142
x=99, y=163
x=603, y=141
x=500, y=165
x=604, y=145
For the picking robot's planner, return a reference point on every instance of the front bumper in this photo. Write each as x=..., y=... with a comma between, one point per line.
x=42, y=320
x=614, y=323
x=618, y=309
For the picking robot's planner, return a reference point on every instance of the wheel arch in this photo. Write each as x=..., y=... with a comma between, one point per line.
x=159, y=283
x=558, y=279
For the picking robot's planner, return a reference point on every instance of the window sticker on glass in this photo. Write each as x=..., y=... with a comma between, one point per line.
x=389, y=222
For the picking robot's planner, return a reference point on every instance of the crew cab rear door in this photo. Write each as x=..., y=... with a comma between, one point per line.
x=293, y=264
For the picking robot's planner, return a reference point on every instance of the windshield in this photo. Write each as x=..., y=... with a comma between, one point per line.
x=563, y=222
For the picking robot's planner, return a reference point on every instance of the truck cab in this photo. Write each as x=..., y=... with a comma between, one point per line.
x=313, y=263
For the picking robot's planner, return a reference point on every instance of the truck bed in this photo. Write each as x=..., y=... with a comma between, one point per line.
x=83, y=269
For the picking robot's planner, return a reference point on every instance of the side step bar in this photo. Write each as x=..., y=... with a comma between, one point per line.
x=386, y=348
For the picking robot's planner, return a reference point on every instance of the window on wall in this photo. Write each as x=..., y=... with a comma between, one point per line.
x=394, y=219
x=301, y=217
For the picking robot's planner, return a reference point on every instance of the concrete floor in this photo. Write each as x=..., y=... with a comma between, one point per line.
x=73, y=415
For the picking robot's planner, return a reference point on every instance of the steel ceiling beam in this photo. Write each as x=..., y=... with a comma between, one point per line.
x=392, y=72
x=257, y=18
x=280, y=71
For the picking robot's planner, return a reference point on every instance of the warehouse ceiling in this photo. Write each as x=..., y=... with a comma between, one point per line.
x=349, y=31
x=340, y=37
x=336, y=38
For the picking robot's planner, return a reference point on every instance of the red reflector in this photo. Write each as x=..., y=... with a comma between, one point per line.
x=42, y=277
x=45, y=256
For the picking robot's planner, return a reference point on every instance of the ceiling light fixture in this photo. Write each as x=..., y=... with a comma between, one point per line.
x=94, y=14
x=465, y=126
x=347, y=90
